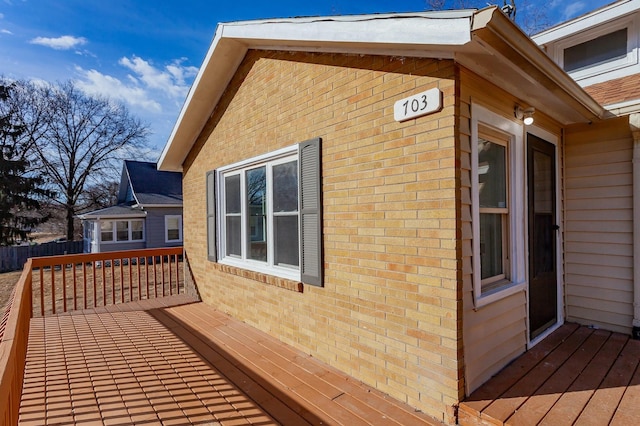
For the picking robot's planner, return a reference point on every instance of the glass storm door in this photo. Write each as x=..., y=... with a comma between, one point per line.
x=543, y=285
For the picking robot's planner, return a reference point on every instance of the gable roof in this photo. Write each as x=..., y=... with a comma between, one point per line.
x=150, y=186
x=486, y=42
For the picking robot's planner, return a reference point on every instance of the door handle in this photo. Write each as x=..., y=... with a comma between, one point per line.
x=555, y=227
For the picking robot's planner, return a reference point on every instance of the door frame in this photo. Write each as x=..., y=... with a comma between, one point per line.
x=555, y=141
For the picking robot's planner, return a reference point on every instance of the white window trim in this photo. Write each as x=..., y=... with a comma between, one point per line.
x=516, y=190
x=613, y=69
x=166, y=228
x=114, y=231
x=279, y=156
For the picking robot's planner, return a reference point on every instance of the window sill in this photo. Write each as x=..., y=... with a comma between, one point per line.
x=272, y=280
x=500, y=294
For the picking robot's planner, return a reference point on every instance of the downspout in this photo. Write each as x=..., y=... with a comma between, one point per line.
x=634, y=125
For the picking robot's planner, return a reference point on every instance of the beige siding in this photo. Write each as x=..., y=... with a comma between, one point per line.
x=494, y=334
x=598, y=225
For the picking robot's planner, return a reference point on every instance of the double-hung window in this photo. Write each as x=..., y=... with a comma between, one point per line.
x=497, y=158
x=173, y=228
x=269, y=213
x=493, y=184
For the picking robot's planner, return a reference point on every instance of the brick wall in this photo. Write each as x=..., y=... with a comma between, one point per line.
x=388, y=313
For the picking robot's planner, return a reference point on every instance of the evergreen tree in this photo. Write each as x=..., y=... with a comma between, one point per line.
x=19, y=190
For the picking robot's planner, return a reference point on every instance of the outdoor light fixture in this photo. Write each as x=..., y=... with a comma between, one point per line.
x=526, y=115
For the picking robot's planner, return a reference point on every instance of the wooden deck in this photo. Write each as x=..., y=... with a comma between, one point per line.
x=577, y=375
x=174, y=361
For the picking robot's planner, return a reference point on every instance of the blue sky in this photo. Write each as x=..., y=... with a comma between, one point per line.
x=147, y=52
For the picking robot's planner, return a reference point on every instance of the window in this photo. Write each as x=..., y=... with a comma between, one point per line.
x=173, y=228
x=497, y=206
x=136, y=230
x=600, y=53
x=106, y=231
x=493, y=180
x=600, y=50
x=121, y=230
x=269, y=213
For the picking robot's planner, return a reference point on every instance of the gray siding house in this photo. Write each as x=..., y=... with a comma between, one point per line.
x=148, y=213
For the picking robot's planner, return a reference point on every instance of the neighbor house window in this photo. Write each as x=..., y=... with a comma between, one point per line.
x=173, y=228
x=121, y=230
x=497, y=187
x=106, y=231
x=269, y=217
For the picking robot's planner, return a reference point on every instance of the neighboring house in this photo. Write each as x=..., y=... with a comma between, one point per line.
x=148, y=213
x=365, y=188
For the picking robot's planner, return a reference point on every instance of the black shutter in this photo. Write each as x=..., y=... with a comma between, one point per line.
x=211, y=216
x=310, y=195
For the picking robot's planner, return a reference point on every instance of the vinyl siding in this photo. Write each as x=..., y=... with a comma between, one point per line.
x=599, y=225
x=496, y=333
x=155, y=232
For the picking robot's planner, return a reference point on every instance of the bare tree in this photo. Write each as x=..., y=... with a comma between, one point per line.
x=82, y=143
x=530, y=17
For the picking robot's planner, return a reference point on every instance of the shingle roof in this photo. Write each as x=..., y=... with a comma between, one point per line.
x=622, y=89
x=113, y=211
x=151, y=186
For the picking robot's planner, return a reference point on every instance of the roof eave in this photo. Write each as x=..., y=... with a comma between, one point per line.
x=437, y=34
x=486, y=35
x=503, y=39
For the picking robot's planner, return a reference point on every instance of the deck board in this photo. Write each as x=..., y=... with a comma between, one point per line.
x=504, y=407
x=536, y=407
x=577, y=376
x=173, y=361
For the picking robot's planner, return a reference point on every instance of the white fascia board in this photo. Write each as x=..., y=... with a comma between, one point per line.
x=431, y=34
x=624, y=108
x=589, y=20
x=397, y=30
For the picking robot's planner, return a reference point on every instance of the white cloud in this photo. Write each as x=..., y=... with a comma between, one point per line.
x=95, y=83
x=5, y=31
x=170, y=80
x=573, y=9
x=60, y=43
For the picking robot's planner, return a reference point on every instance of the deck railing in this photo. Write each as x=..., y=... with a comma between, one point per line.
x=14, y=334
x=55, y=284
x=81, y=281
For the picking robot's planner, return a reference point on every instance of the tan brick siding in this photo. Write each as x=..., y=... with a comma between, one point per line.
x=388, y=312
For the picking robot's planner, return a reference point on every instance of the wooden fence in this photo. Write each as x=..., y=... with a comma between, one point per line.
x=13, y=258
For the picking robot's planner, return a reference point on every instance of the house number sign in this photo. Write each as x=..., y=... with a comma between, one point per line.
x=418, y=105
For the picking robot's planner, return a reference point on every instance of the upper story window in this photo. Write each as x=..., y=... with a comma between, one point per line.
x=603, y=49
x=596, y=54
x=269, y=213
